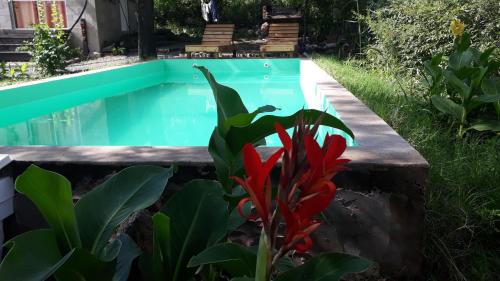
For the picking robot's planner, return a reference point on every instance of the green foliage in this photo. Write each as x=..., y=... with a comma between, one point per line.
x=462, y=194
x=49, y=49
x=467, y=87
x=328, y=266
x=409, y=32
x=12, y=71
x=79, y=244
x=235, y=127
x=192, y=220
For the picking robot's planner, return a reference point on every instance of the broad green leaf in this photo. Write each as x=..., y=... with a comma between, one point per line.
x=51, y=193
x=237, y=137
x=228, y=101
x=101, y=210
x=244, y=119
x=447, y=106
x=84, y=266
x=463, y=89
x=437, y=59
x=245, y=278
x=33, y=255
x=488, y=98
x=326, y=267
x=128, y=252
x=486, y=125
x=237, y=260
x=463, y=42
x=226, y=163
x=111, y=250
x=198, y=214
x=491, y=86
x=161, y=246
x=262, y=258
x=484, y=58
x=459, y=60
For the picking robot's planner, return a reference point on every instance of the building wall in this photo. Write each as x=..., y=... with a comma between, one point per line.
x=5, y=22
x=104, y=21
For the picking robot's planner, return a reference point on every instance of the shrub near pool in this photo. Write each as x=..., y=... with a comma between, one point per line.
x=463, y=193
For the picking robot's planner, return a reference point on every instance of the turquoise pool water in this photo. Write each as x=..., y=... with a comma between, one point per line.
x=161, y=103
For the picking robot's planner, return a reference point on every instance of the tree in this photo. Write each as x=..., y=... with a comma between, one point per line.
x=146, y=26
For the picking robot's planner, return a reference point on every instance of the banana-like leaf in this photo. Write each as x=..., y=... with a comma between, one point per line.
x=329, y=266
x=461, y=59
x=447, y=106
x=52, y=195
x=463, y=89
x=237, y=137
x=198, y=215
x=226, y=163
x=228, y=101
x=491, y=86
x=32, y=256
x=161, y=247
x=486, y=125
x=244, y=119
x=101, y=210
x=84, y=266
x=233, y=258
x=128, y=252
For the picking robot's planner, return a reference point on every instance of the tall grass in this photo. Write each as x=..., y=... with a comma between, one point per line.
x=462, y=226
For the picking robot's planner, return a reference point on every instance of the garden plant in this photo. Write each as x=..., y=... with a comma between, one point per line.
x=468, y=87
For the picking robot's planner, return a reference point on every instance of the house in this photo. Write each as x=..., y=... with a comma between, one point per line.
x=105, y=21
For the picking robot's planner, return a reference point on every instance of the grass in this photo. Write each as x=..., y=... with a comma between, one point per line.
x=462, y=226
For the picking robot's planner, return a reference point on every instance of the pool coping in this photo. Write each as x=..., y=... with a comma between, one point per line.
x=378, y=143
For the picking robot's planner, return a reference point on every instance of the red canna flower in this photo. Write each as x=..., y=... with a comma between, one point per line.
x=257, y=182
x=298, y=229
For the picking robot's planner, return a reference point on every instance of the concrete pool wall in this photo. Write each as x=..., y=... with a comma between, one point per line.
x=378, y=212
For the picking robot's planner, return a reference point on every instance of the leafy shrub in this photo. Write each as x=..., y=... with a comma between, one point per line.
x=13, y=71
x=49, y=49
x=406, y=33
x=467, y=87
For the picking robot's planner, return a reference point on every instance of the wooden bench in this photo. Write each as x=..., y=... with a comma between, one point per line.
x=217, y=38
x=282, y=38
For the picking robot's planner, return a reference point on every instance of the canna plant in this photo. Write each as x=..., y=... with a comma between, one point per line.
x=468, y=88
x=237, y=127
x=81, y=243
x=288, y=214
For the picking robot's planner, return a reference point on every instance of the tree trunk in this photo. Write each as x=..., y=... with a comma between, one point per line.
x=146, y=26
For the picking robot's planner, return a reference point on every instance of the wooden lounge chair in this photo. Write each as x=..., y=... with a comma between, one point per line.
x=217, y=38
x=282, y=38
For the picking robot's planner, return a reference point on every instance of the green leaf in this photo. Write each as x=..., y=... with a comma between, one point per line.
x=488, y=98
x=226, y=163
x=463, y=42
x=228, y=101
x=459, y=60
x=244, y=119
x=101, y=210
x=463, y=89
x=326, y=267
x=128, y=252
x=233, y=258
x=51, y=193
x=33, y=255
x=447, y=106
x=484, y=58
x=198, y=214
x=262, y=258
x=486, y=125
x=84, y=266
x=161, y=246
x=491, y=86
x=237, y=137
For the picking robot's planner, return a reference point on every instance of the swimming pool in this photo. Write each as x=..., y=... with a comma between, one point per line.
x=160, y=103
